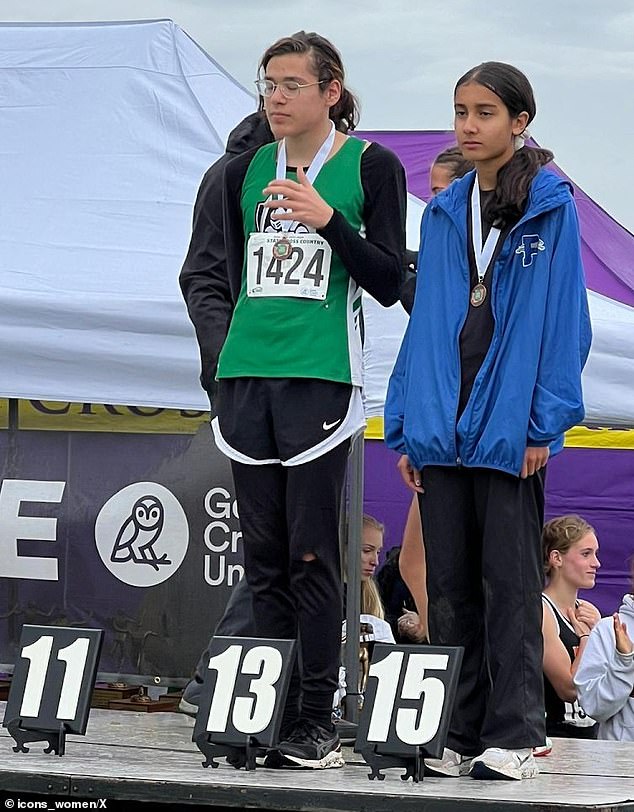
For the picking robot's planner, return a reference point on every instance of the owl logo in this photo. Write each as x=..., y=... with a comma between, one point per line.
x=139, y=533
x=131, y=528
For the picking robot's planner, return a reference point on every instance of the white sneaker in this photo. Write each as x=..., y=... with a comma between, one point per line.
x=187, y=707
x=451, y=765
x=513, y=765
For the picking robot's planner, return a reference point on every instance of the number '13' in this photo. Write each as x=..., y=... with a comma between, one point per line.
x=251, y=714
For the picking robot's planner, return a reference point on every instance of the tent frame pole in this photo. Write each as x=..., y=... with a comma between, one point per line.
x=353, y=577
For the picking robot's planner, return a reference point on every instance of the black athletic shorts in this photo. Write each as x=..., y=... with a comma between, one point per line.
x=273, y=420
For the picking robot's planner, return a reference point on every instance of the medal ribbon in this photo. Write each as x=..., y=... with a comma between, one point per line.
x=311, y=173
x=482, y=253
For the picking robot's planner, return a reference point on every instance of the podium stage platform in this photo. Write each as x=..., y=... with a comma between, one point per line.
x=149, y=757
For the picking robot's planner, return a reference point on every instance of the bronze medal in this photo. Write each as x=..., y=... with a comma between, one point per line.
x=478, y=295
x=282, y=249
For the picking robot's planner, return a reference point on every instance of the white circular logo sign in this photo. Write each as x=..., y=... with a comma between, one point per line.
x=142, y=534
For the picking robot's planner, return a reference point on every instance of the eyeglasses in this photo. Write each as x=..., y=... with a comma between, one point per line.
x=288, y=89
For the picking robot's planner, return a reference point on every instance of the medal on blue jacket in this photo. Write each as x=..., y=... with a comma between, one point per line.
x=481, y=253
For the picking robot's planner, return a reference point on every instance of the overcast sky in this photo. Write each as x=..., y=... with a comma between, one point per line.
x=403, y=57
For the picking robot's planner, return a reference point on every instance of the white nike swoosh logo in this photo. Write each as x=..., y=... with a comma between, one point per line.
x=328, y=426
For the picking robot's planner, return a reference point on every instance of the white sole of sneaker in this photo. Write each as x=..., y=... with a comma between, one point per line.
x=332, y=760
x=432, y=771
x=188, y=708
x=481, y=771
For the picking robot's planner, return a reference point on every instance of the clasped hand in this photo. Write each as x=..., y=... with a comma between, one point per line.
x=302, y=202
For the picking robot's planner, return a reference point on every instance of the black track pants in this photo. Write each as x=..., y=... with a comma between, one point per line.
x=286, y=515
x=482, y=531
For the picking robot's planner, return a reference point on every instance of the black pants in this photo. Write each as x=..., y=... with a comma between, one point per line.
x=236, y=621
x=482, y=531
x=289, y=518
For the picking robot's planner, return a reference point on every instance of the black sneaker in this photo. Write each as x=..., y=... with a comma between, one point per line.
x=346, y=730
x=314, y=746
x=274, y=760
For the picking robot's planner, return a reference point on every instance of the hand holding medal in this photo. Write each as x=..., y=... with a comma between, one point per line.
x=301, y=202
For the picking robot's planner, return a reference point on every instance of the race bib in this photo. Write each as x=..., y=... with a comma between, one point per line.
x=288, y=264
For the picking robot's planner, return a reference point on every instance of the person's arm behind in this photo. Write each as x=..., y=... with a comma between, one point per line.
x=413, y=570
x=605, y=677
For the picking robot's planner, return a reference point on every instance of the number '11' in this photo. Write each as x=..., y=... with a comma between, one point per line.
x=39, y=655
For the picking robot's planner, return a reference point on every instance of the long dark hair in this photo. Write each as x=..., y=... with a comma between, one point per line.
x=515, y=177
x=327, y=64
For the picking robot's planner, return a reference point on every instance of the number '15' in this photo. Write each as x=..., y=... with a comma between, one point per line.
x=412, y=725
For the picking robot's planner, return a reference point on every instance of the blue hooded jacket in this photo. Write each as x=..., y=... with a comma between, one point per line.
x=528, y=389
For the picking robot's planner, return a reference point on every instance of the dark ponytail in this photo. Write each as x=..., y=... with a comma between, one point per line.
x=515, y=177
x=327, y=64
x=514, y=183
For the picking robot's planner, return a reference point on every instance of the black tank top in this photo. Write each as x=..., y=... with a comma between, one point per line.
x=565, y=718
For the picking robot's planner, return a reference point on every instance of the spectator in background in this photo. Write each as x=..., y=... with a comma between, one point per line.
x=448, y=165
x=605, y=675
x=395, y=595
x=203, y=277
x=570, y=551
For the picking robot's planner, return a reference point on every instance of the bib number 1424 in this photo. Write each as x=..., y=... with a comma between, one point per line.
x=303, y=273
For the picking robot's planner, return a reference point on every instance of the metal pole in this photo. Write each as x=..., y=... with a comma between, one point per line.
x=11, y=472
x=353, y=577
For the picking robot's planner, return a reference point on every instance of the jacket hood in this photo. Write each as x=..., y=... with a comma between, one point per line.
x=548, y=191
x=252, y=131
x=627, y=607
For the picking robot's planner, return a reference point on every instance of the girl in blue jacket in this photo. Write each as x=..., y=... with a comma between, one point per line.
x=487, y=381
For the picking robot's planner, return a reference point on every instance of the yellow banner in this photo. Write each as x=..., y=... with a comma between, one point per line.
x=578, y=437
x=582, y=437
x=4, y=413
x=48, y=415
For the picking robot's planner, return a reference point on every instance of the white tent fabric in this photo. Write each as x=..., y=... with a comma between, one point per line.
x=105, y=132
x=384, y=327
x=609, y=373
